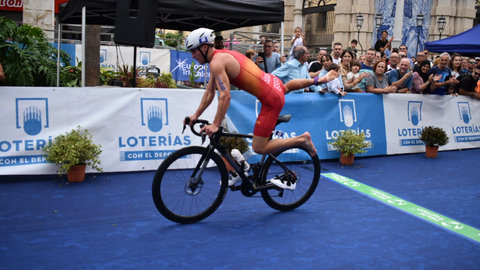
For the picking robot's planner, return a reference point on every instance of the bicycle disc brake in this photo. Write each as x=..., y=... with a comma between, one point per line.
x=193, y=186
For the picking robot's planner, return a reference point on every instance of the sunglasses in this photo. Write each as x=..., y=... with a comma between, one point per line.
x=472, y=62
x=476, y=73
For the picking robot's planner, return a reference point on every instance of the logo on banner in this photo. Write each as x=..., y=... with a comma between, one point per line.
x=468, y=132
x=464, y=111
x=144, y=58
x=348, y=113
x=103, y=56
x=183, y=64
x=31, y=115
x=410, y=136
x=415, y=112
x=154, y=113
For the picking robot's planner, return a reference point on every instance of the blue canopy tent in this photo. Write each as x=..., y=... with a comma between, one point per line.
x=465, y=43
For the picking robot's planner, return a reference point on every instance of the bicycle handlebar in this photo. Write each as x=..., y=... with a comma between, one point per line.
x=192, y=127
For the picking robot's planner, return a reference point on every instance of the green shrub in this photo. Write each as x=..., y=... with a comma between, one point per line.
x=350, y=143
x=73, y=148
x=434, y=136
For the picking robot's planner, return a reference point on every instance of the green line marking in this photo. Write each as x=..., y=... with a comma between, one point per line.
x=411, y=208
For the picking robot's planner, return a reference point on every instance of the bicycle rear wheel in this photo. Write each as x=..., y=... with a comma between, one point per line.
x=183, y=195
x=306, y=171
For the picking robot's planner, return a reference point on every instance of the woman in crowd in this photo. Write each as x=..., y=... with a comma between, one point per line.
x=456, y=65
x=347, y=58
x=422, y=82
x=377, y=82
x=326, y=61
x=250, y=54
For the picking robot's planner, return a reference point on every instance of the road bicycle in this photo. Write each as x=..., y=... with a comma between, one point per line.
x=191, y=183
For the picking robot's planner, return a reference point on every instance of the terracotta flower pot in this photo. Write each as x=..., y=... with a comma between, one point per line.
x=76, y=173
x=346, y=160
x=431, y=151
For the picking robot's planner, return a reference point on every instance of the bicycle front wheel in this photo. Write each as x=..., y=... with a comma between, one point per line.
x=297, y=164
x=186, y=195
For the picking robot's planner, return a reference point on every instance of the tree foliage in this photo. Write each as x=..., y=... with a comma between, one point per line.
x=26, y=56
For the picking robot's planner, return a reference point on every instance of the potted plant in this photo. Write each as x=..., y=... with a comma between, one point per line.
x=348, y=144
x=433, y=137
x=73, y=151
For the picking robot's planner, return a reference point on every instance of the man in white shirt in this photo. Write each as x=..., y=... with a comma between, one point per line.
x=337, y=52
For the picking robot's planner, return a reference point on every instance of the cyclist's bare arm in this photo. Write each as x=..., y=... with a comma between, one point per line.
x=222, y=83
x=206, y=100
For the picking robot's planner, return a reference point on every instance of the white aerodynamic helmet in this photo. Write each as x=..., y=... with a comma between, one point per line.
x=198, y=37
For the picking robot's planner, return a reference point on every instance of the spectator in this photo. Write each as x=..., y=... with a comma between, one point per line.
x=420, y=58
x=456, y=65
x=353, y=47
x=402, y=54
x=442, y=87
x=471, y=65
x=345, y=64
x=347, y=57
x=296, y=68
x=315, y=66
x=362, y=58
x=268, y=61
x=464, y=65
x=393, y=63
x=276, y=47
x=218, y=42
x=402, y=77
x=262, y=39
x=250, y=54
x=368, y=63
x=469, y=85
x=378, y=57
x=335, y=85
x=478, y=60
x=377, y=82
x=337, y=53
x=403, y=48
x=298, y=39
x=354, y=77
x=427, y=55
x=326, y=61
x=422, y=81
x=2, y=73
x=383, y=44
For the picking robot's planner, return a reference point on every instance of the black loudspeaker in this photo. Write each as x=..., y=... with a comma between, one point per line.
x=135, y=22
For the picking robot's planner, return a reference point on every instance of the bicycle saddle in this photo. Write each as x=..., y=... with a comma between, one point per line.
x=283, y=118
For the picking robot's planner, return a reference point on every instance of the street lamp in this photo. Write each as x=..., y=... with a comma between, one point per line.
x=441, y=25
x=420, y=19
x=359, y=20
x=378, y=21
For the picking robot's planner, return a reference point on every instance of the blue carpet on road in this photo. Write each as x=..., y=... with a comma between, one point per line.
x=110, y=222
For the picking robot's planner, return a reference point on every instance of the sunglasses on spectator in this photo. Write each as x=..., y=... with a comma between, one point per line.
x=476, y=73
x=472, y=62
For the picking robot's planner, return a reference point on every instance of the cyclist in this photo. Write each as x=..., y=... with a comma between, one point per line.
x=231, y=67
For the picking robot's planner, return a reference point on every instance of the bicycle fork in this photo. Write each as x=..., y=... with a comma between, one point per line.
x=195, y=183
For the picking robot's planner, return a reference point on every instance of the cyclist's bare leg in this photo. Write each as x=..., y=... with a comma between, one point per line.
x=262, y=145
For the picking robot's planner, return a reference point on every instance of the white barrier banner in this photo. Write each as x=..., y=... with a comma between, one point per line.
x=137, y=128
x=117, y=56
x=406, y=115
